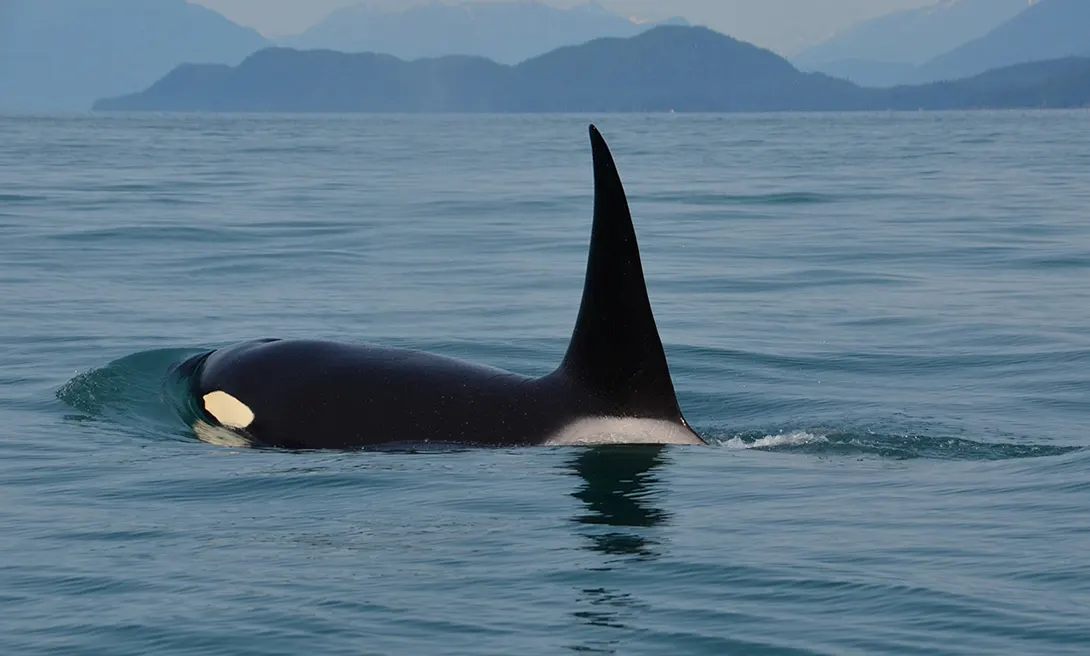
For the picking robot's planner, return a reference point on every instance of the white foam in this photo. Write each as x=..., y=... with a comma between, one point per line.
x=798, y=438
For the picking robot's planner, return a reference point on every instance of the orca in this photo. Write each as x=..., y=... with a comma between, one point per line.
x=612, y=387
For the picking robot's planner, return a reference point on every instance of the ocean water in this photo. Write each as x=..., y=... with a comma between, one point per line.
x=879, y=322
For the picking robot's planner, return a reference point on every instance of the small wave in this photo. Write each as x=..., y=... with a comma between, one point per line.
x=893, y=446
x=19, y=198
x=140, y=234
x=783, y=198
x=132, y=394
x=1079, y=261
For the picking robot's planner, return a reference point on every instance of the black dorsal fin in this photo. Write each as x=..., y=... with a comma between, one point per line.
x=615, y=351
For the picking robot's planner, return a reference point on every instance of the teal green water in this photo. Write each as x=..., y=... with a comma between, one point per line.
x=881, y=324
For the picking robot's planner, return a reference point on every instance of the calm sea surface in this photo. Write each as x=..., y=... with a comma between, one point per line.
x=880, y=323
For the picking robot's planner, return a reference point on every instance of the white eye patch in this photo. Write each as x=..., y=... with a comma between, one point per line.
x=228, y=410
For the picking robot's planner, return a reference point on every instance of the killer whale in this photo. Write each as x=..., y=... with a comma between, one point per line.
x=613, y=385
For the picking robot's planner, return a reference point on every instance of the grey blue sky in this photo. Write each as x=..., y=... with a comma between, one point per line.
x=783, y=25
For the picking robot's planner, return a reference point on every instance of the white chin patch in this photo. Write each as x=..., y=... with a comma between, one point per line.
x=228, y=410
x=622, y=430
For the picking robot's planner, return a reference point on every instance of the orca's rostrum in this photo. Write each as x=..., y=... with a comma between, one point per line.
x=613, y=385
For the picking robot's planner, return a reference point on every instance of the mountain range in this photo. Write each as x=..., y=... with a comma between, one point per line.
x=1048, y=29
x=952, y=40
x=63, y=54
x=505, y=32
x=687, y=69
x=880, y=50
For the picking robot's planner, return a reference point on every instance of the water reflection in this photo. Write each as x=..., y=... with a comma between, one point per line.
x=619, y=491
x=620, y=485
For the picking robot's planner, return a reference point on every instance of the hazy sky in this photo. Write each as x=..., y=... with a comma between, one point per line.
x=783, y=25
